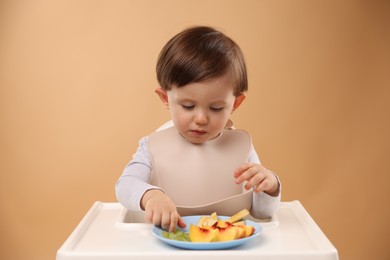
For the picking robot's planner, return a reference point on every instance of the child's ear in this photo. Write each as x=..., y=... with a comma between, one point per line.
x=238, y=101
x=163, y=95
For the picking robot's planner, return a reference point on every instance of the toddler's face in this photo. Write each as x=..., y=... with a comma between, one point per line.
x=200, y=110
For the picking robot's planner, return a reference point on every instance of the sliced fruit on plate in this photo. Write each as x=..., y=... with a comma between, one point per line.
x=203, y=234
x=238, y=216
x=212, y=229
x=206, y=221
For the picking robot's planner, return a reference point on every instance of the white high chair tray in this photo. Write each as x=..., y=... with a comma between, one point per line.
x=109, y=232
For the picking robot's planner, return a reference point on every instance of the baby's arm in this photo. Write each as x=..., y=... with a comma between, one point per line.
x=134, y=192
x=266, y=185
x=134, y=181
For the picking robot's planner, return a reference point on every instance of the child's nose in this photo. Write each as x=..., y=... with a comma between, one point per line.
x=201, y=118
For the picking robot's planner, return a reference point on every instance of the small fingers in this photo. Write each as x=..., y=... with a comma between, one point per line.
x=153, y=217
x=166, y=221
x=173, y=222
x=181, y=223
x=240, y=170
x=157, y=219
x=255, y=182
x=246, y=175
x=263, y=185
x=148, y=216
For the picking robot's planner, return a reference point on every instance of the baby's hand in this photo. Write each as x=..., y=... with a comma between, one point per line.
x=161, y=211
x=258, y=178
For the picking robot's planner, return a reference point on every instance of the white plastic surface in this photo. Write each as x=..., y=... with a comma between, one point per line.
x=109, y=232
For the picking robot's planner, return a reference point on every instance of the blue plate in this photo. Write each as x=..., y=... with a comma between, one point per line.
x=157, y=232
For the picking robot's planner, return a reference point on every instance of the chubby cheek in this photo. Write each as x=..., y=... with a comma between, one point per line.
x=218, y=123
x=181, y=121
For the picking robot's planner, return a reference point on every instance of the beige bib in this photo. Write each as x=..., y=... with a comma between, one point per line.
x=199, y=177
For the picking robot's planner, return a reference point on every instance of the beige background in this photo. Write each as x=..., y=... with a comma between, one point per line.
x=76, y=94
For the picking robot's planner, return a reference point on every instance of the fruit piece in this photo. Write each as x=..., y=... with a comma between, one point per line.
x=238, y=216
x=202, y=221
x=178, y=235
x=210, y=222
x=228, y=233
x=242, y=228
x=203, y=234
x=239, y=223
x=222, y=224
x=241, y=231
x=214, y=216
x=206, y=221
x=249, y=230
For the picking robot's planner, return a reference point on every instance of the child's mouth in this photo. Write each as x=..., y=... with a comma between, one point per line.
x=198, y=132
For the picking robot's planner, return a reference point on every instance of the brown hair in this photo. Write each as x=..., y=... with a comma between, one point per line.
x=201, y=53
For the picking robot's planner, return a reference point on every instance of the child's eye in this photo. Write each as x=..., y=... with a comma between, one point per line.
x=188, y=107
x=216, y=109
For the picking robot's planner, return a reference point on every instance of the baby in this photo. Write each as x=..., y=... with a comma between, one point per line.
x=200, y=163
